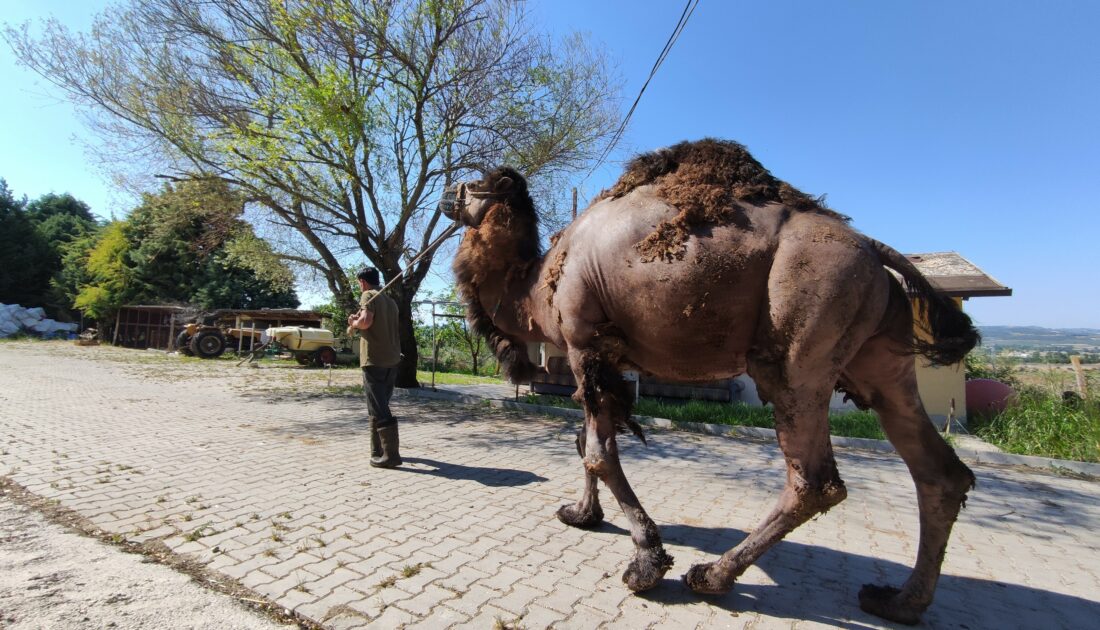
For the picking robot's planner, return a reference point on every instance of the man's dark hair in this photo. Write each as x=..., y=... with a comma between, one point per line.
x=369, y=275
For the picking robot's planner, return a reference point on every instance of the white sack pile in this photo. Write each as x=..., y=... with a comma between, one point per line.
x=33, y=321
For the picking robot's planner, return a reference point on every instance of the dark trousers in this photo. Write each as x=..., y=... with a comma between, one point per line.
x=378, y=385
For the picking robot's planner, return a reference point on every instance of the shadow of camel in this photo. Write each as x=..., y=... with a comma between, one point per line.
x=819, y=584
x=493, y=477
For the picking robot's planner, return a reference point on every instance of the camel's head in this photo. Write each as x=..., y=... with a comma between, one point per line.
x=468, y=202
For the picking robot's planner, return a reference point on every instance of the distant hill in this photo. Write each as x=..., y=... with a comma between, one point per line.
x=1039, y=338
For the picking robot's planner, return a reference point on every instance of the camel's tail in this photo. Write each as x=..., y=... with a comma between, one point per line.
x=950, y=334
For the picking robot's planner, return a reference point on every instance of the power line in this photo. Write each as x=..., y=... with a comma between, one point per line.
x=685, y=15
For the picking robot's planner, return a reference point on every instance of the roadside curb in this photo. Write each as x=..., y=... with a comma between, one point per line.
x=756, y=433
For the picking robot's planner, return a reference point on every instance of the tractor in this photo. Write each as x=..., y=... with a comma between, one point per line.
x=209, y=342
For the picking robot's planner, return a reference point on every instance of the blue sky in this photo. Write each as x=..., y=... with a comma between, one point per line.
x=970, y=126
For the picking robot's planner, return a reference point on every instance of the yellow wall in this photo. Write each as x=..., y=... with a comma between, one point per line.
x=939, y=385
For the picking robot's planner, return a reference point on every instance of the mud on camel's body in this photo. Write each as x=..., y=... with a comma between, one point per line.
x=699, y=264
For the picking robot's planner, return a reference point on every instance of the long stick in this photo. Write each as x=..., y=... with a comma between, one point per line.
x=427, y=250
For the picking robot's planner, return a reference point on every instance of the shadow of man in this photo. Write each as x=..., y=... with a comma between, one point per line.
x=494, y=477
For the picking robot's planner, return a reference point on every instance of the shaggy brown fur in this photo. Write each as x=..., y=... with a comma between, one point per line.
x=706, y=180
x=758, y=277
x=506, y=242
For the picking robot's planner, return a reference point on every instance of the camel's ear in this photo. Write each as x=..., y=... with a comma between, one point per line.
x=504, y=183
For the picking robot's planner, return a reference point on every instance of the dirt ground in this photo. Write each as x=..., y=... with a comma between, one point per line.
x=79, y=582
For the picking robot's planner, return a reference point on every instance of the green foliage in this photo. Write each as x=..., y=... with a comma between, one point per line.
x=105, y=268
x=1043, y=424
x=859, y=424
x=458, y=349
x=189, y=244
x=337, y=309
x=53, y=205
x=186, y=244
x=978, y=365
x=25, y=257
x=342, y=120
x=34, y=240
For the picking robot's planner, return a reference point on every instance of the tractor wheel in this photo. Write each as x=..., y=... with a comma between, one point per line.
x=208, y=344
x=183, y=344
x=324, y=356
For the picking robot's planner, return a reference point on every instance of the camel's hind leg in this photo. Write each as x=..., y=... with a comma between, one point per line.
x=884, y=377
x=813, y=486
x=824, y=299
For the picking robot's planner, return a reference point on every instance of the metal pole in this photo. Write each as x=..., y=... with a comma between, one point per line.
x=240, y=336
x=435, y=347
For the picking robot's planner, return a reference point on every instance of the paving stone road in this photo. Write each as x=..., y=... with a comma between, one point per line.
x=262, y=474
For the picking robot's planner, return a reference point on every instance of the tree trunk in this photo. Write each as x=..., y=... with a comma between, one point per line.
x=406, y=370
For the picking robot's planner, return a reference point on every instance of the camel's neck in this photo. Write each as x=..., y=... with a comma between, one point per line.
x=497, y=268
x=509, y=299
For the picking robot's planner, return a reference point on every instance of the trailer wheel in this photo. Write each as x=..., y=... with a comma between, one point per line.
x=324, y=356
x=183, y=344
x=208, y=344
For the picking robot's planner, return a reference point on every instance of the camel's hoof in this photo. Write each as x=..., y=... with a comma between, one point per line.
x=584, y=519
x=884, y=601
x=697, y=579
x=646, y=569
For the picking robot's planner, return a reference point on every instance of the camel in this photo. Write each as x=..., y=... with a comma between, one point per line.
x=697, y=265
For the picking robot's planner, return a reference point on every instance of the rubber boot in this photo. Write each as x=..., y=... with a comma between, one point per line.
x=375, y=443
x=390, y=458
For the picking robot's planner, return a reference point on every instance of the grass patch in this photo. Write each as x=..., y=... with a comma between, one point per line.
x=1041, y=424
x=455, y=378
x=859, y=424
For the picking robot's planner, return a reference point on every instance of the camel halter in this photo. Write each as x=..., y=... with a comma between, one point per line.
x=455, y=202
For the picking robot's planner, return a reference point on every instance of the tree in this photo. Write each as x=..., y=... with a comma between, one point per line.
x=25, y=258
x=61, y=220
x=342, y=119
x=110, y=276
x=186, y=244
x=457, y=333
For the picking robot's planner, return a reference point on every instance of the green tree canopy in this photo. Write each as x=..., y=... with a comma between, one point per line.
x=187, y=244
x=342, y=119
x=25, y=257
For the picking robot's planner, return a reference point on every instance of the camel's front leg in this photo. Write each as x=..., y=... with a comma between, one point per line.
x=606, y=405
x=585, y=513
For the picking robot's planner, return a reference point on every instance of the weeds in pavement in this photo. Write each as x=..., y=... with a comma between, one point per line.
x=501, y=624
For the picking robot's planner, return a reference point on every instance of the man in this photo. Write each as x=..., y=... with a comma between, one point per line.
x=379, y=354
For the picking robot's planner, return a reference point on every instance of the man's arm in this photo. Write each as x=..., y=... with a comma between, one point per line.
x=364, y=320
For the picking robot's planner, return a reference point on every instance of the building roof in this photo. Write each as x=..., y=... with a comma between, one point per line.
x=955, y=276
x=261, y=313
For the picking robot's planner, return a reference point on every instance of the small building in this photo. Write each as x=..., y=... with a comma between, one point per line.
x=943, y=388
x=157, y=326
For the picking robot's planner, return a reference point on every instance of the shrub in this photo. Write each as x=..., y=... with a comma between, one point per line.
x=1040, y=423
x=979, y=366
x=861, y=424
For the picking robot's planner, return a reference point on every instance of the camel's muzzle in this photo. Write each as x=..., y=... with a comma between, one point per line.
x=454, y=199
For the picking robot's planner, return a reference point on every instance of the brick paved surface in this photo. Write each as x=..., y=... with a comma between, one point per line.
x=263, y=477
